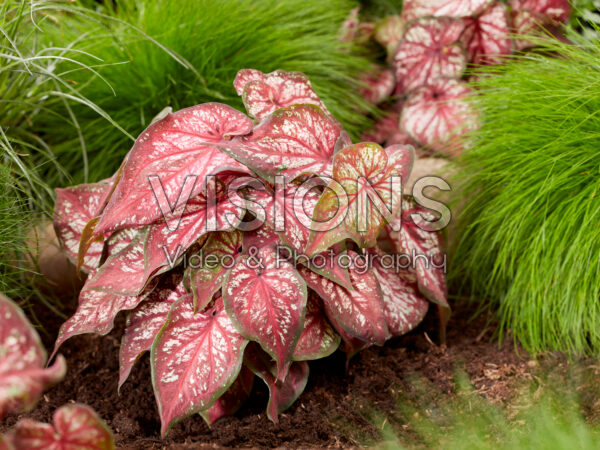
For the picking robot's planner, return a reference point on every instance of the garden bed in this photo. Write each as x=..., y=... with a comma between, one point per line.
x=335, y=399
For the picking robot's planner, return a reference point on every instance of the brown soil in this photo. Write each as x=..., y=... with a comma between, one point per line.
x=335, y=397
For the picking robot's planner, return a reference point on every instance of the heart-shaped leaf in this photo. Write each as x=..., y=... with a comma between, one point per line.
x=318, y=338
x=370, y=179
x=194, y=360
x=23, y=377
x=228, y=403
x=413, y=9
x=438, y=116
x=360, y=312
x=487, y=36
x=76, y=427
x=546, y=10
x=218, y=256
x=263, y=94
x=405, y=307
x=282, y=394
x=172, y=149
x=350, y=345
x=292, y=141
x=145, y=321
x=74, y=208
x=266, y=299
x=378, y=86
x=430, y=49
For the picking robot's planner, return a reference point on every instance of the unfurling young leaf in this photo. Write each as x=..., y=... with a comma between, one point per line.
x=23, y=377
x=266, y=299
x=75, y=427
x=194, y=360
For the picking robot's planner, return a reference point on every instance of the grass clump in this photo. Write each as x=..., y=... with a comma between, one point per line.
x=149, y=55
x=529, y=234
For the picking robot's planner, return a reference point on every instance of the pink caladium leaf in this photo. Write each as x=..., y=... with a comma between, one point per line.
x=378, y=86
x=293, y=141
x=218, y=257
x=388, y=32
x=546, y=10
x=228, y=403
x=413, y=9
x=360, y=312
x=23, y=377
x=487, y=36
x=430, y=49
x=364, y=193
x=353, y=30
x=194, y=360
x=439, y=115
x=179, y=152
x=145, y=321
x=266, y=299
x=74, y=208
x=263, y=94
x=318, y=338
x=350, y=345
x=282, y=393
x=405, y=307
x=264, y=236
x=75, y=427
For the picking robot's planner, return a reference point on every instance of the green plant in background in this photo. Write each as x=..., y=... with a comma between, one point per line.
x=207, y=42
x=529, y=234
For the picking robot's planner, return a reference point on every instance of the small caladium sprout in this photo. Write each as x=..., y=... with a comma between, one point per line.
x=487, y=36
x=211, y=239
x=413, y=9
x=23, y=377
x=74, y=427
x=430, y=49
x=388, y=32
x=439, y=115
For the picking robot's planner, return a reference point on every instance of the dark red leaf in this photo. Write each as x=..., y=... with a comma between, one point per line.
x=487, y=36
x=430, y=49
x=228, y=403
x=266, y=299
x=194, y=360
x=318, y=338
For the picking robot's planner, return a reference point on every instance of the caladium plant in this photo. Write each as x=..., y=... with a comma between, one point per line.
x=212, y=238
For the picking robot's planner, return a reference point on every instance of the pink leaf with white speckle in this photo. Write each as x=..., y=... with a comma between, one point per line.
x=76, y=427
x=318, y=338
x=23, y=377
x=413, y=9
x=263, y=94
x=487, y=36
x=292, y=141
x=379, y=86
x=194, y=360
x=282, y=393
x=75, y=207
x=228, y=403
x=430, y=49
x=546, y=10
x=367, y=173
x=144, y=323
x=175, y=147
x=439, y=115
x=360, y=312
x=266, y=299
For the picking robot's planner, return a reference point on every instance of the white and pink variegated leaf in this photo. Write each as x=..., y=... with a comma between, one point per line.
x=74, y=208
x=547, y=11
x=379, y=86
x=430, y=49
x=318, y=338
x=438, y=116
x=405, y=307
x=194, y=360
x=75, y=427
x=264, y=236
x=218, y=256
x=263, y=94
x=293, y=141
x=228, y=403
x=370, y=178
x=180, y=150
x=353, y=30
x=266, y=299
x=350, y=345
x=146, y=320
x=282, y=393
x=387, y=131
x=413, y=9
x=487, y=36
x=360, y=311
x=388, y=32
x=23, y=377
